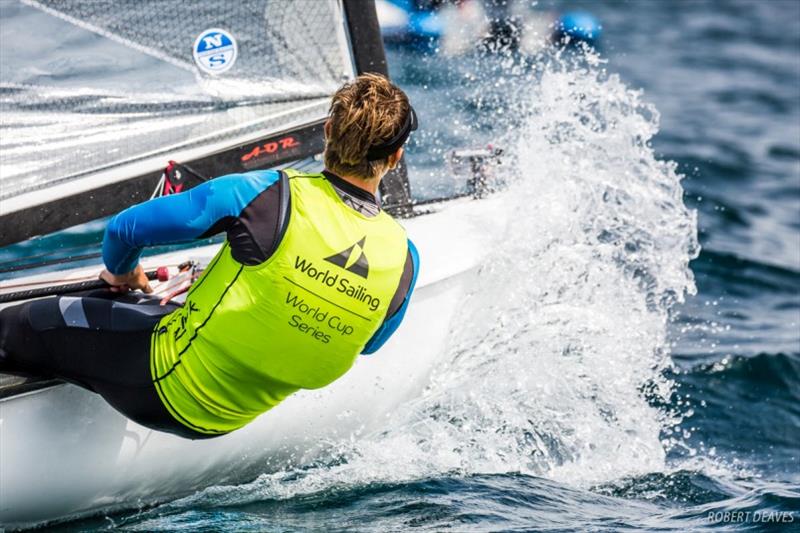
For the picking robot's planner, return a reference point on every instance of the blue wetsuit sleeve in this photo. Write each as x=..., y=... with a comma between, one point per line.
x=391, y=324
x=179, y=217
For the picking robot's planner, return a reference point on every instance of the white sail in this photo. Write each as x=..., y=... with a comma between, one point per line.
x=106, y=89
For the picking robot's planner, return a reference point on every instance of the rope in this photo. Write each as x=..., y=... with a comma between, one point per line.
x=65, y=288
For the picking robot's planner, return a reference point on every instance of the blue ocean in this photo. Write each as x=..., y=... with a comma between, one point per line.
x=629, y=358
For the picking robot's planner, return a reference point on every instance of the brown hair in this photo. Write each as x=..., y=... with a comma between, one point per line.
x=364, y=112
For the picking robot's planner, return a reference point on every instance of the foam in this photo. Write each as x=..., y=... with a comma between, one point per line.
x=557, y=366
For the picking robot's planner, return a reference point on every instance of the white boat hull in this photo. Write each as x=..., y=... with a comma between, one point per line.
x=65, y=452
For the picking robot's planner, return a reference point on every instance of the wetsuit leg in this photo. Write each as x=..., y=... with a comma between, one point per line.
x=97, y=343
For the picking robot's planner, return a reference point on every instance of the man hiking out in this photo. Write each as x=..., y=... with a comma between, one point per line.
x=311, y=274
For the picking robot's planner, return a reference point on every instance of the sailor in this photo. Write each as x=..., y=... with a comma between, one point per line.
x=311, y=274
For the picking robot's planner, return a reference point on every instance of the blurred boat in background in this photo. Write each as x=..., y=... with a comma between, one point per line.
x=458, y=26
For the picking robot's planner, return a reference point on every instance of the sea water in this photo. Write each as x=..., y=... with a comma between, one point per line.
x=629, y=356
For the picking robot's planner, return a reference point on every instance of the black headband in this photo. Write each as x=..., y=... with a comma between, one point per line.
x=384, y=149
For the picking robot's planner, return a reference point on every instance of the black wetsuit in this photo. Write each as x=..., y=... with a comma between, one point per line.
x=106, y=349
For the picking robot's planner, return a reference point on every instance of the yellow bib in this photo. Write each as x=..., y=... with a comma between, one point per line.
x=248, y=336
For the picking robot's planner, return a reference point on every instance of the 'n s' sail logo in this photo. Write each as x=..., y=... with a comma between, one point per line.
x=352, y=259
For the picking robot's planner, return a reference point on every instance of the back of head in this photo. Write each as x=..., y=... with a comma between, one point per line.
x=366, y=112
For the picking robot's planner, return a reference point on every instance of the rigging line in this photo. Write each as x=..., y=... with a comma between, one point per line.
x=60, y=280
x=159, y=186
x=65, y=288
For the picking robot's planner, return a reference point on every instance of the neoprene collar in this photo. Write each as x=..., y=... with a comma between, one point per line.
x=350, y=189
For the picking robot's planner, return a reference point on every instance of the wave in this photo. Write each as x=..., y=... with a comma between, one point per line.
x=743, y=277
x=779, y=372
x=743, y=413
x=683, y=500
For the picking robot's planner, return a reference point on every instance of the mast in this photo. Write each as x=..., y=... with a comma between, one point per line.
x=369, y=56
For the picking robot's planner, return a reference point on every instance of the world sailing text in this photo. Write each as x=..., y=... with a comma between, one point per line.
x=338, y=282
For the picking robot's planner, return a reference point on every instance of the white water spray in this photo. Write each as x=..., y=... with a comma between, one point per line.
x=557, y=360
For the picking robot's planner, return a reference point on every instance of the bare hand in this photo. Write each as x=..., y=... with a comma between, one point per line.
x=136, y=279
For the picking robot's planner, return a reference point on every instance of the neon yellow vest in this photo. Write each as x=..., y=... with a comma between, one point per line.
x=248, y=336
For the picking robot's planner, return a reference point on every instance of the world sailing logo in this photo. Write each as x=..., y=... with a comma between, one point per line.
x=215, y=51
x=353, y=259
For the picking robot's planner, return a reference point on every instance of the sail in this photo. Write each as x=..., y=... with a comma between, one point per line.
x=104, y=91
x=107, y=83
